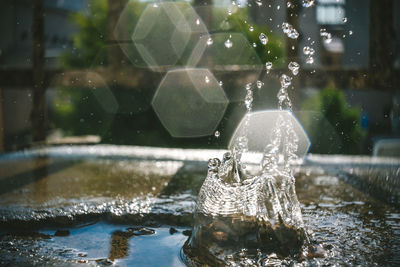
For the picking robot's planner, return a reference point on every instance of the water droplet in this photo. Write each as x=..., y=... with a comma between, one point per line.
x=308, y=51
x=350, y=32
x=289, y=4
x=155, y=5
x=206, y=79
x=248, y=100
x=251, y=28
x=268, y=66
x=263, y=38
x=286, y=27
x=344, y=20
x=220, y=83
x=229, y=12
x=248, y=86
x=293, y=34
x=228, y=43
x=213, y=164
x=326, y=36
x=294, y=67
x=309, y=60
x=217, y=134
x=198, y=21
x=308, y=3
x=210, y=41
x=285, y=81
x=259, y=84
x=258, y=2
x=254, y=45
x=278, y=7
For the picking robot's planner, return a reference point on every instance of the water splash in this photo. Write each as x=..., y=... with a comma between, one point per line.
x=309, y=52
x=268, y=66
x=241, y=207
x=326, y=36
x=308, y=3
x=294, y=67
x=290, y=31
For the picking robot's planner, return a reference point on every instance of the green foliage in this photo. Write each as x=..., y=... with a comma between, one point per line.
x=78, y=112
x=90, y=38
x=332, y=125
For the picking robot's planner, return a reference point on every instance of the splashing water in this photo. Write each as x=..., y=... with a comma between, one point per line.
x=309, y=52
x=290, y=31
x=308, y=3
x=240, y=208
x=294, y=67
x=326, y=36
x=259, y=84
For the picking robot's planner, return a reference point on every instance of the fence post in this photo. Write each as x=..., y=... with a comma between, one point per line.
x=38, y=115
x=1, y=122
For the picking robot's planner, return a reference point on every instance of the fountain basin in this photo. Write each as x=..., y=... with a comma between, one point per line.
x=98, y=205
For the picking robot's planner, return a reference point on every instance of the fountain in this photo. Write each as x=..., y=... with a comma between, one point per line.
x=242, y=211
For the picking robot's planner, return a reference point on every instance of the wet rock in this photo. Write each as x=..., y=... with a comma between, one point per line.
x=82, y=254
x=104, y=262
x=172, y=230
x=187, y=232
x=32, y=235
x=141, y=230
x=62, y=233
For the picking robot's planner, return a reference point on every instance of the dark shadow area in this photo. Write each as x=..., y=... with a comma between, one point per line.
x=13, y=182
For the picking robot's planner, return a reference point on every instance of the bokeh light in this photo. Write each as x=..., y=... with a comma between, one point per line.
x=226, y=52
x=260, y=129
x=166, y=33
x=83, y=97
x=190, y=102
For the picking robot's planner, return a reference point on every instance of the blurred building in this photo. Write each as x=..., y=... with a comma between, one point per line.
x=16, y=32
x=15, y=54
x=348, y=50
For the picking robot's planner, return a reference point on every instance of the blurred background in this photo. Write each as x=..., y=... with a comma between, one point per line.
x=122, y=72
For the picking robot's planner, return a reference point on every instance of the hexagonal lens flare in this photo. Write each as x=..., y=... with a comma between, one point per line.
x=166, y=33
x=260, y=129
x=83, y=97
x=190, y=102
x=227, y=52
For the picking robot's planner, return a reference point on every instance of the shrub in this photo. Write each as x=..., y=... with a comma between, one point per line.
x=331, y=124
